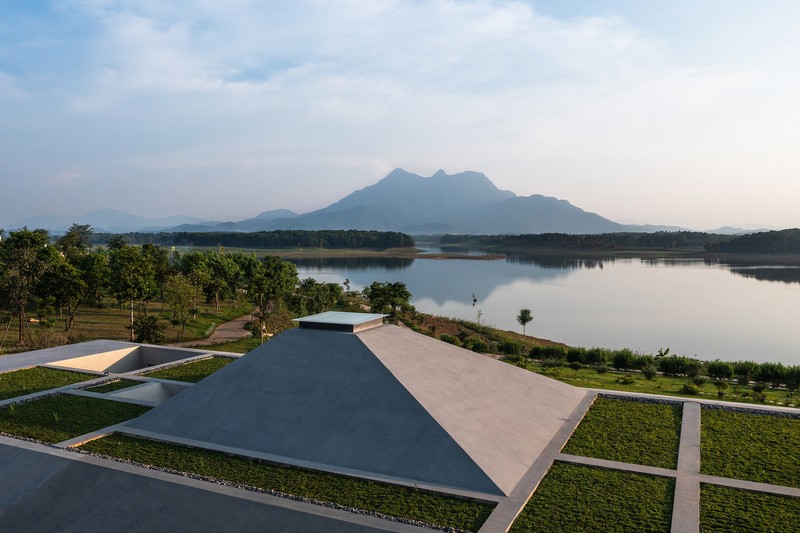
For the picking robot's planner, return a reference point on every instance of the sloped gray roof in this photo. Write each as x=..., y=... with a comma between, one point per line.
x=384, y=403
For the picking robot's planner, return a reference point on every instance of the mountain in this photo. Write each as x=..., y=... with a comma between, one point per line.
x=259, y=222
x=467, y=202
x=106, y=220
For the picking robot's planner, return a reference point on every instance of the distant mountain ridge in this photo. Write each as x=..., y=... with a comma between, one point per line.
x=466, y=202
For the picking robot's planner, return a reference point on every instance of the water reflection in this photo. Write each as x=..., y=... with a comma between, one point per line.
x=695, y=307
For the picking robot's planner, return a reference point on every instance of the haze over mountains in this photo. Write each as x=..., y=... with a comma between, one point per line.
x=467, y=202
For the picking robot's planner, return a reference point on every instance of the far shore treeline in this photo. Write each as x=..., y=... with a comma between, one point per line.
x=769, y=242
x=377, y=240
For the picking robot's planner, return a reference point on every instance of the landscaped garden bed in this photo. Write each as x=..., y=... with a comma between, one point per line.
x=193, y=371
x=629, y=432
x=583, y=498
x=37, y=379
x=729, y=509
x=402, y=502
x=60, y=417
x=755, y=447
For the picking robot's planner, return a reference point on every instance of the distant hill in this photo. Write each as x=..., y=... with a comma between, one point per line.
x=467, y=202
x=107, y=220
x=463, y=203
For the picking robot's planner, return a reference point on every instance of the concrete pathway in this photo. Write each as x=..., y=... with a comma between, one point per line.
x=686, y=505
x=225, y=332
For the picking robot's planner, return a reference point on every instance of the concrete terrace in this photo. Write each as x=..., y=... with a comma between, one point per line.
x=378, y=402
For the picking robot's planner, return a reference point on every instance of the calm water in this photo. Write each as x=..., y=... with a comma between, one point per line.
x=710, y=310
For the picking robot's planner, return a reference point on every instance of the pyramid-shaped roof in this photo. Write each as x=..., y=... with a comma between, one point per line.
x=385, y=403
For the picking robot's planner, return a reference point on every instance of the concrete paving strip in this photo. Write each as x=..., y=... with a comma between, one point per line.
x=682, y=399
x=686, y=503
x=616, y=465
x=751, y=485
x=268, y=504
x=507, y=510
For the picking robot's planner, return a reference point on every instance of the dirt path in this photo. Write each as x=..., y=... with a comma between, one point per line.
x=225, y=332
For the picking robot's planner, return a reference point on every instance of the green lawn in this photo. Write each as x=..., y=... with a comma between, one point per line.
x=63, y=416
x=240, y=346
x=575, y=498
x=111, y=386
x=671, y=386
x=630, y=432
x=728, y=509
x=191, y=372
x=367, y=495
x=747, y=446
x=36, y=379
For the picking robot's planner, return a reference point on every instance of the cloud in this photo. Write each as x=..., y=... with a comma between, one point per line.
x=595, y=108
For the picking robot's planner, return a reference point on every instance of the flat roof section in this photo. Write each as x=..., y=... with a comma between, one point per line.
x=340, y=321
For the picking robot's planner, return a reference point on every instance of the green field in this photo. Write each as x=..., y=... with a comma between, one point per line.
x=667, y=385
x=60, y=417
x=629, y=432
x=362, y=494
x=748, y=446
x=728, y=509
x=36, y=379
x=192, y=372
x=575, y=498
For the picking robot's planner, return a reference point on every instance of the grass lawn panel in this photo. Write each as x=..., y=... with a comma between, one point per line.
x=729, y=509
x=64, y=416
x=117, y=384
x=630, y=432
x=583, y=498
x=30, y=380
x=192, y=372
x=748, y=446
x=240, y=346
x=368, y=495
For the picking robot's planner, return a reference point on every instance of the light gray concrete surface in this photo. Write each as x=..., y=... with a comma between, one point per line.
x=502, y=416
x=507, y=510
x=51, y=490
x=686, y=504
x=324, y=397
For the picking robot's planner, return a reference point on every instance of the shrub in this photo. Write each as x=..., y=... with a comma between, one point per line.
x=553, y=362
x=509, y=348
x=596, y=356
x=719, y=370
x=576, y=355
x=575, y=365
x=148, y=330
x=694, y=368
x=448, y=339
x=601, y=369
x=623, y=359
x=649, y=371
x=745, y=371
x=759, y=387
x=627, y=379
x=689, y=388
x=699, y=380
x=479, y=346
x=772, y=373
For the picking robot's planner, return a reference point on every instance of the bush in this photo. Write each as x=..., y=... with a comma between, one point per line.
x=148, y=330
x=601, y=369
x=479, y=346
x=553, y=362
x=745, y=371
x=719, y=370
x=576, y=355
x=689, y=388
x=699, y=380
x=575, y=365
x=623, y=359
x=695, y=368
x=649, y=371
x=627, y=379
x=596, y=356
x=509, y=348
x=448, y=339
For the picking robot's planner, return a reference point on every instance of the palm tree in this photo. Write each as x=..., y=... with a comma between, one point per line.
x=524, y=317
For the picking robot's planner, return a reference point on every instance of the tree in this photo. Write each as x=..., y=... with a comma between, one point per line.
x=75, y=243
x=24, y=259
x=719, y=370
x=270, y=283
x=63, y=284
x=132, y=277
x=388, y=298
x=523, y=318
x=182, y=296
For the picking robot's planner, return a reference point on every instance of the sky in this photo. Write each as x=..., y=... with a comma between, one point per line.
x=683, y=112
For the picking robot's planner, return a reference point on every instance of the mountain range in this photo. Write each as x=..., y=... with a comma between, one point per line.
x=467, y=202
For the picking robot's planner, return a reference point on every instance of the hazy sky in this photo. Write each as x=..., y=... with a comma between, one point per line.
x=667, y=112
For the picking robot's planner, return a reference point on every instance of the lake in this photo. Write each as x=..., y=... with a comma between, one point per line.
x=694, y=307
